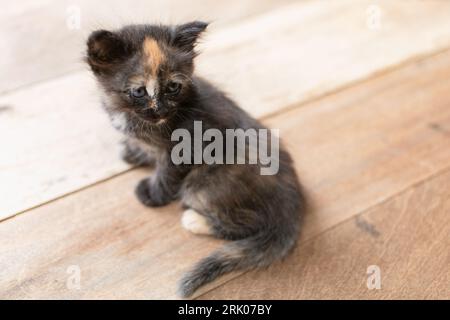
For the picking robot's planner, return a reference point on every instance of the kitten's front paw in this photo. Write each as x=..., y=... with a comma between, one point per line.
x=149, y=195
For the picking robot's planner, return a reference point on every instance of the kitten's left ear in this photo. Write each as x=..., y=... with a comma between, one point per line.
x=186, y=35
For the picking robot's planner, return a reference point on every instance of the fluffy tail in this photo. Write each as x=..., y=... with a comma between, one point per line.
x=253, y=252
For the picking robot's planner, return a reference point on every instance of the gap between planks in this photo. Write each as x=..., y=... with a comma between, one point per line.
x=69, y=194
x=370, y=77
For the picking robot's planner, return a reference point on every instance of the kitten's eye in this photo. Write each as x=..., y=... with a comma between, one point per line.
x=139, y=92
x=173, y=88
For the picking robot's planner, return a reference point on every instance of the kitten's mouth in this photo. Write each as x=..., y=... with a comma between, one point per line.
x=161, y=121
x=152, y=117
x=154, y=120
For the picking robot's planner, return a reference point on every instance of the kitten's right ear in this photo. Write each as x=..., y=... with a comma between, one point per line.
x=104, y=49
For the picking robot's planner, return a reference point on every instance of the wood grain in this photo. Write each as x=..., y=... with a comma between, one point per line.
x=267, y=62
x=407, y=238
x=353, y=150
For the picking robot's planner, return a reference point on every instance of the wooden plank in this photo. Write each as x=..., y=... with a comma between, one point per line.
x=407, y=238
x=352, y=150
x=41, y=42
x=310, y=65
x=53, y=143
x=309, y=48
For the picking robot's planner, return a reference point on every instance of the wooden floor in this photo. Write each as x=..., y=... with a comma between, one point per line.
x=360, y=91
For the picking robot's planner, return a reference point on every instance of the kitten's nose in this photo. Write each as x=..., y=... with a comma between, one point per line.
x=160, y=110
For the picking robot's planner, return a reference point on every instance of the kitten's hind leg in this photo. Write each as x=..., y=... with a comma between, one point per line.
x=137, y=153
x=196, y=223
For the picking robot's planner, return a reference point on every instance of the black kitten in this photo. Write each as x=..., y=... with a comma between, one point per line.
x=146, y=73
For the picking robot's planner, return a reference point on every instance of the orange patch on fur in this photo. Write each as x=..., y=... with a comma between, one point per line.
x=153, y=54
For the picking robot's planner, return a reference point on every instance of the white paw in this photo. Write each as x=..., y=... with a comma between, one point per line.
x=195, y=222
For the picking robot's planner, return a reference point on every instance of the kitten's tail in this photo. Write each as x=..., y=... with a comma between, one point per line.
x=256, y=251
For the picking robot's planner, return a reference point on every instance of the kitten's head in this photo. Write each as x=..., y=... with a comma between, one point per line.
x=145, y=69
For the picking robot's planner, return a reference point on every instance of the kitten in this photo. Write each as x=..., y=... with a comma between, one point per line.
x=149, y=90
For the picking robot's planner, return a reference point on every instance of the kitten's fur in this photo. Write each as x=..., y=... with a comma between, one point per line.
x=259, y=213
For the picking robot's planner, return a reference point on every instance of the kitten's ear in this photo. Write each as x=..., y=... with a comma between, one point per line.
x=186, y=35
x=105, y=48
